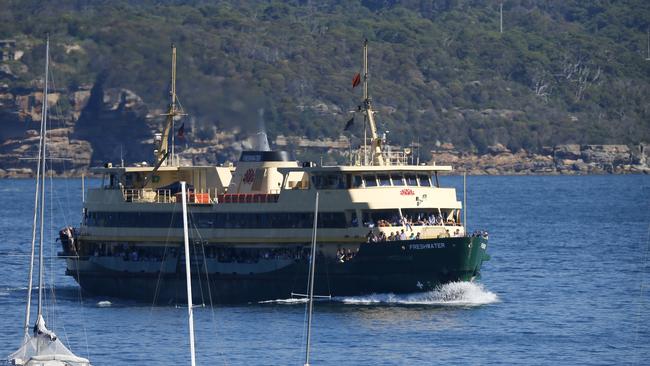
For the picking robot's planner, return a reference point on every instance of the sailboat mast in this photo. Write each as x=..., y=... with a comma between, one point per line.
x=30, y=279
x=312, y=270
x=188, y=275
x=43, y=159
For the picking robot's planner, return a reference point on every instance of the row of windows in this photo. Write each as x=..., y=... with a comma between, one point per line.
x=384, y=180
x=338, y=181
x=287, y=220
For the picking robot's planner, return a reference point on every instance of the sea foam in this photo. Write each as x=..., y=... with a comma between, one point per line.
x=450, y=294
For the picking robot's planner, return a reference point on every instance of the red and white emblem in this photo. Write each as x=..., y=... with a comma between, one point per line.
x=249, y=177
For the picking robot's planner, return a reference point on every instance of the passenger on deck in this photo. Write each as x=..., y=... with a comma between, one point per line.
x=402, y=235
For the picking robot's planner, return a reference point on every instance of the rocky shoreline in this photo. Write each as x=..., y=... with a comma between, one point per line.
x=570, y=159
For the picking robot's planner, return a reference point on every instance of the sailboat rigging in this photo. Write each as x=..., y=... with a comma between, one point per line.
x=42, y=347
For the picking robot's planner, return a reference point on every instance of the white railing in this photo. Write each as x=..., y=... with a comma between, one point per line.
x=363, y=155
x=148, y=195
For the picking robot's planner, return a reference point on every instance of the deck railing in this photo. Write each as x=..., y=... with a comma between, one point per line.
x=148, y=195
x=201, y=196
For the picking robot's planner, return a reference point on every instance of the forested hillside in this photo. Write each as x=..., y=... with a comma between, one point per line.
x=561, y=72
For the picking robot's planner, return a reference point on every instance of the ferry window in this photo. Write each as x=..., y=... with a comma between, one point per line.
x=328, y=181
x=357, y=182
x=383, y=180
x=334, y=181
x=370, y=180
x=410, y=180
x=424, y=180
x=397, y=179
x=317, y=181
x=218, y=220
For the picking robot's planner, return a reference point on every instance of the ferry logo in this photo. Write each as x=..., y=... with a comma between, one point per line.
x=407, y=192
x=249, y=177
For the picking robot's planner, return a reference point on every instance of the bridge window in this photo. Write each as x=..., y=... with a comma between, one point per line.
x=370, y=180
x=383, y=180
x=357, y=182
x=424, y=180
x=410, y=180
x=397, y=179
x=328, y=181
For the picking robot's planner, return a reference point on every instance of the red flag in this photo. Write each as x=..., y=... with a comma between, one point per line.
x=181, y=131
x=357, y=80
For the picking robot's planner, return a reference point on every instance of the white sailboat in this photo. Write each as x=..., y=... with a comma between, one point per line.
x=42, y=347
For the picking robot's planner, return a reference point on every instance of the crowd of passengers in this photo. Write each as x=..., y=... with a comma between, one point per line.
x=480, y=233
x=230, y=255
x=394, y=236
x=345, y=254
x=223, y=255
x=371, y=237
x=408, y=221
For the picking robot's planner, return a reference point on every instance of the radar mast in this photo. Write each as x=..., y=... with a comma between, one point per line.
x=376, y=157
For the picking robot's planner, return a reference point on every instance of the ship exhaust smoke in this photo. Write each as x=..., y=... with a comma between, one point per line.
x=261, y=140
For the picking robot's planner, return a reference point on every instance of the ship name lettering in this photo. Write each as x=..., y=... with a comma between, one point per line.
x=426, y=246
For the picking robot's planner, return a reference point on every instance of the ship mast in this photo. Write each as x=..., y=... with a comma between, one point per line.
x=163, y=151
x=376, y=156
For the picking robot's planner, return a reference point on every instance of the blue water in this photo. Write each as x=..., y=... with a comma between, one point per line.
x=568, y=284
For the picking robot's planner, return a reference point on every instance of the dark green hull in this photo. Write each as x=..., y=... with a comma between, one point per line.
x=387, y=267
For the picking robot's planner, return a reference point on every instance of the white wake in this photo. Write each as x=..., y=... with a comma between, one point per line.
x=451, y=294
x=288, y=301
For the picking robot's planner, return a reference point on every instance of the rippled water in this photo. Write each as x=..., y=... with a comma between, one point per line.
x=567, y=285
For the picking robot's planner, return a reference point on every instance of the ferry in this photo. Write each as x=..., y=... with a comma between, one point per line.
x=384, y=225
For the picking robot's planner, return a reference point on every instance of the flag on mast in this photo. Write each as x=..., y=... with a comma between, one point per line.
x=348, y=124
x=181, y=131
x=356, y=80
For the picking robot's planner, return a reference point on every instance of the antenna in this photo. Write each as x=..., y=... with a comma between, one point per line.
x=172, y=105
x=648, y=58
x=501, y=17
